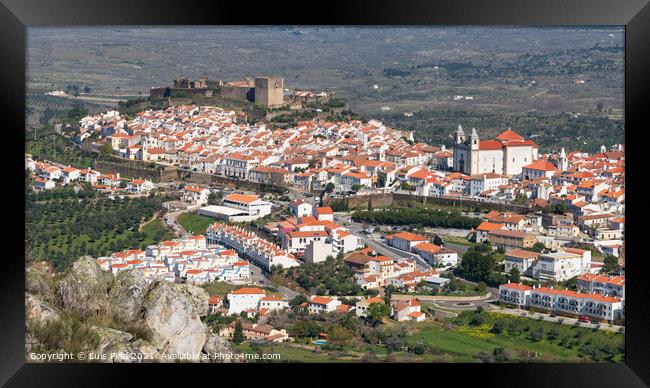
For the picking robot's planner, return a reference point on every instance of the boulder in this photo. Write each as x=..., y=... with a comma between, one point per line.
x=84, y=288
x=215, y=345
x=39, y=281
x=172, y=314
x=38, y=311
x=127, y=294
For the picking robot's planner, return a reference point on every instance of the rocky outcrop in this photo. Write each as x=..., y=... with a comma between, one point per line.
x=38, y=311
x=40, y=280
x=172, y=315
x=85, y=288
x=126, y=296
x=118, y=347
x=215, y=346
x=153, y=319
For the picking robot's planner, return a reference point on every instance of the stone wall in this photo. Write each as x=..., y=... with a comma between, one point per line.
x=129, y=169
x=386, y=199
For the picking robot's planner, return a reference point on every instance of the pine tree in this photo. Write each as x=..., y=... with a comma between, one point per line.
x=238, y=334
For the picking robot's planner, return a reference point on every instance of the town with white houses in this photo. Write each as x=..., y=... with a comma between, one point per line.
x=558, y=210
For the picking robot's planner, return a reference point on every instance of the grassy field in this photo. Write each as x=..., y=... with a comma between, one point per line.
x=195, y=224
x=558, y=342
x=460, y=340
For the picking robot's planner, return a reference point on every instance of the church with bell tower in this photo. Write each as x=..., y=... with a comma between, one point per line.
x=504, y=155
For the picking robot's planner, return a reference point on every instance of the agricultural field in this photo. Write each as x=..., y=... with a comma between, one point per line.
x=491, y=338
x=61, y=225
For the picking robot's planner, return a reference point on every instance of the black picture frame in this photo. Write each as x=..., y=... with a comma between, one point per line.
x=16, y=15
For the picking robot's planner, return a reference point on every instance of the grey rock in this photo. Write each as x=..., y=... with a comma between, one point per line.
x=127, y=295
x=85, y=288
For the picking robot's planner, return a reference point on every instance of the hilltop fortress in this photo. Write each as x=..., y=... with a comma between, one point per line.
x=266, y=91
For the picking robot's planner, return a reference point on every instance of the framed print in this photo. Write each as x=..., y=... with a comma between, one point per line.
x=411, y=186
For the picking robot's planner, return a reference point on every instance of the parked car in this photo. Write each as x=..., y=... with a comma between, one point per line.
x=583, y=319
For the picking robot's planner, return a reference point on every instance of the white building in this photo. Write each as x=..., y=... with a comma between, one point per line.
x=560, y=266
x=319, y=304
x=520, y=259
x=436, y=255
x=244, y=299
x=405, y=240
x=507, y=154
x=538, y=169
x=195, y=195
x=484, y=182
x=318, y=251
x=300, y=208
x=252, y=204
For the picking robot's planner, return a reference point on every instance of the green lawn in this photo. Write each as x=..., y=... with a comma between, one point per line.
x=195, y=224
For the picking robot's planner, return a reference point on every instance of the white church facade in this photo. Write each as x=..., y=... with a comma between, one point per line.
x=507, y=154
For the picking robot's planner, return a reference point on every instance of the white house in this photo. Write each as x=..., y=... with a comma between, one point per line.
x=300, y=208
x=139, y=186
x=319, y=304
x=521, y=259
x=484, y=182
x=538, y=169
x=324, y=213
x=405, y=240
x=436, y=255
x=244, y=298
x=516, y=294
x=559, y=266
x=195, y=195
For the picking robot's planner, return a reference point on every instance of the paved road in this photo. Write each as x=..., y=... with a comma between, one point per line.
x=378, y=245
x=173, y=224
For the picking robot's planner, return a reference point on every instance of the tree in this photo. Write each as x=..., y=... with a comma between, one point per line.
x=514, y=275
x=388, y=292
x=378, y=311
x=610, y=264
x=478, y=263
x=106, y=148
x=339, y=335
x=329, y=187
x=438, y=240
x=538, y=247
x=370, y=205
x=238, y=334
x=559, y=208
x=497, y=327
x=215, y=197
x=355, y=187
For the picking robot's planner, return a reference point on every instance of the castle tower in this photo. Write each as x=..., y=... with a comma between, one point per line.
x=269, y=91
x=474, y=143
x=564, y=162
x=460, y=135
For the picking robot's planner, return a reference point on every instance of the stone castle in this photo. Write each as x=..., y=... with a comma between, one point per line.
x=266, y=91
